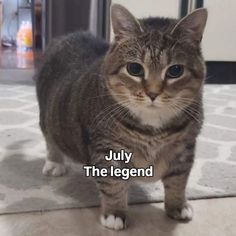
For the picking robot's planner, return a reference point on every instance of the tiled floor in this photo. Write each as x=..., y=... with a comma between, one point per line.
x=215, y=217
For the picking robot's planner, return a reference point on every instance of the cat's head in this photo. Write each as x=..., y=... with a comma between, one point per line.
x=155, y=69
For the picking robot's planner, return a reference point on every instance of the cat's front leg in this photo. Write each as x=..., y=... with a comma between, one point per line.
x=113, y=193
x=175, y=200
x=114, y=202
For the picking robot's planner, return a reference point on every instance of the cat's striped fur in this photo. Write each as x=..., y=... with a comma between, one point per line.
x=90, y=105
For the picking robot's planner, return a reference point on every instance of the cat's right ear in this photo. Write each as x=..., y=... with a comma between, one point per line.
x=124, y=24
x=193, y=25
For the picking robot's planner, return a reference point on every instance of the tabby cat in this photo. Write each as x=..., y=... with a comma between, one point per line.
x=141, y=93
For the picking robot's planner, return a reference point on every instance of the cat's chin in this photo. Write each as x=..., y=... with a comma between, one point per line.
x=152, y=115
x=152, y=106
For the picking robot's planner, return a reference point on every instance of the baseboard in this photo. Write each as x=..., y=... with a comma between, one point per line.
x=221, y=72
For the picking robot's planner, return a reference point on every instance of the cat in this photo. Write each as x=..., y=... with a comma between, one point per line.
x=142, y=93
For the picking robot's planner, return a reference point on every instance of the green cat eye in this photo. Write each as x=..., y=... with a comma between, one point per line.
x=135, y=69
x=175, y=71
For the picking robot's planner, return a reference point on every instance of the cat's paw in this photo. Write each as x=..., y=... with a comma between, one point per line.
x=184, y=214
x=113, y=222
x=54, y=168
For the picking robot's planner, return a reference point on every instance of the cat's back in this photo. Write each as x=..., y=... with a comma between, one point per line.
x=67, y=59
x=73, y=52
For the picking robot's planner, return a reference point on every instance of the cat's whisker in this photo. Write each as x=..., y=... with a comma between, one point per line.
x=172, y=109
x=104, y=110
x=109, y=112
x=179, y=110
x=114, y=114
x=117, y=115
x=124, y=115
x=187, y=100
x=187, y=112
x=100, y=114
x=120, y=116
x=111, y=116
x=109, y=95
x=109, y=107
x=186, y=105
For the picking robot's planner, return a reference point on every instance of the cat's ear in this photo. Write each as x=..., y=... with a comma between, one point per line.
x=123, y=22
x=192, y=24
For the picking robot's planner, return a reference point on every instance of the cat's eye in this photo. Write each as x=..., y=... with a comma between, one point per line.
x=135, y=69
x=175, y=71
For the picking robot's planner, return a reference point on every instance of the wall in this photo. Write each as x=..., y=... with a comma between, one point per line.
x=147, y=8
x=219, y=41
x=167, y=8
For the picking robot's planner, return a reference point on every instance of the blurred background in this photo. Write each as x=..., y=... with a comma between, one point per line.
x=27, y=26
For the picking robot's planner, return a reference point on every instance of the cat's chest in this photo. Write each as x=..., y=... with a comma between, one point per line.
x=159, y=155
x=148, y=149
x=147, y=153
x=156, y=151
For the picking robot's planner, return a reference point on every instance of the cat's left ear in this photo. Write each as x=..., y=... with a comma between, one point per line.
x=192, y=24
x=124, y=23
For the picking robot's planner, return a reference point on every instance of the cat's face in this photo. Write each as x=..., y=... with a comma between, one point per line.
x=153, y=72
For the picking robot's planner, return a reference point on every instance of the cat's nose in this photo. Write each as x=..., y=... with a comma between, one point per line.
x=152, y=95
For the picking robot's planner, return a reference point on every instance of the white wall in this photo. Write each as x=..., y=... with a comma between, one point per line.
x=219, y=41
x=146, y=8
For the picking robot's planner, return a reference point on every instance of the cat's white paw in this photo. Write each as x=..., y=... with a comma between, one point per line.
x=113, y=222
x=185, y=214
x=54, y=168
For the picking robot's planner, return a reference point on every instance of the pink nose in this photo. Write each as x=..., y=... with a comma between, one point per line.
x=152, y=95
